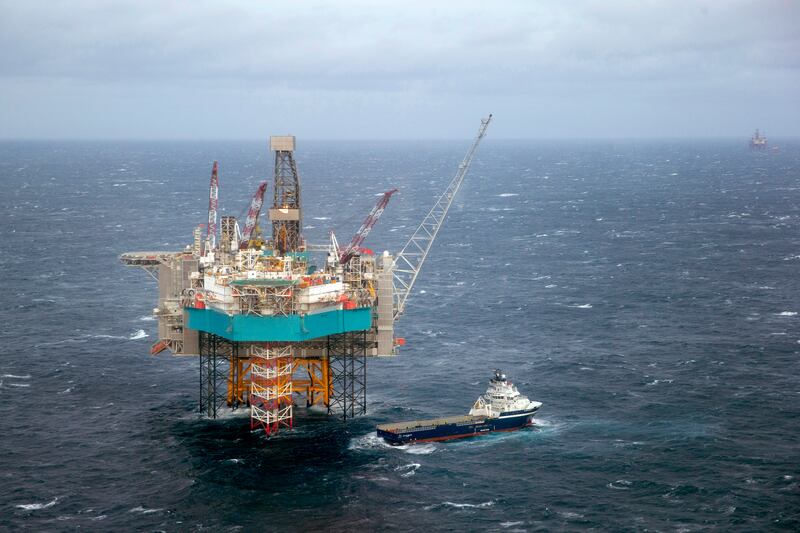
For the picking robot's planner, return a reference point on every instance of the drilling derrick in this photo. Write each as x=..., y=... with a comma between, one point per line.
x=269, y=327
x=285, y=213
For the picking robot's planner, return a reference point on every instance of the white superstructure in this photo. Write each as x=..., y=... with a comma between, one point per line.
x=502, y=399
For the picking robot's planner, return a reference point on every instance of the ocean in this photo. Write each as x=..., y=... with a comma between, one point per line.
x=645, y=291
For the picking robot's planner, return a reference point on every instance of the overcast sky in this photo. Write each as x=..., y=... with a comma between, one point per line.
x=361, y=70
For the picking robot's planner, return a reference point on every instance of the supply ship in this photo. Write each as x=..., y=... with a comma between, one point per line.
x=501, y=408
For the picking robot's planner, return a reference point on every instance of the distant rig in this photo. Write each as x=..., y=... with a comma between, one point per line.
x=271, y=325
x=758, y=141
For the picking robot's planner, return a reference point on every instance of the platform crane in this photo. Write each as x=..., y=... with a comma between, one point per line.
x=410, y=259
x=213, y=201
x=252, y=215
x=366, y=227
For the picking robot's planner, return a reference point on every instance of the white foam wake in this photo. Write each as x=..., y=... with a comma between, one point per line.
x=37, y=506
x=139, y=334
x=371, y=441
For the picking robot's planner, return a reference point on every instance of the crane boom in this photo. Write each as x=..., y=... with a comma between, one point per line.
x=366, y=227
x=252, y=214
x=412, y=256
x=213, y=200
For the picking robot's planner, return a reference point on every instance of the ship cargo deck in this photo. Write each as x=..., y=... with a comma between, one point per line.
x=421, y=425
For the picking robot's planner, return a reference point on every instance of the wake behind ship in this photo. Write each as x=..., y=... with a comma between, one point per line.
x=501, y=408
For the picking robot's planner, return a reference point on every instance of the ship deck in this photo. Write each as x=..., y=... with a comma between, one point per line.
x=399, y=427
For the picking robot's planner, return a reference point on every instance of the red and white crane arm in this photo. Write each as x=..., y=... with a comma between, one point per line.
x=366, y=227
x=252, y=214
x=213, y=201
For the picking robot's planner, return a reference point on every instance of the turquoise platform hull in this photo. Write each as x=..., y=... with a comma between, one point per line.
x=294, y=328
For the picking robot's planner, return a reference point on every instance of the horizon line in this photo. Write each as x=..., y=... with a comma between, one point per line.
x=744, y=138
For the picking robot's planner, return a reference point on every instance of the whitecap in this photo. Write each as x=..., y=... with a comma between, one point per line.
x=139, y=334
x=620, y=484
x=483, y=505
x=511, y=524
x=507, y=194
x=787, y=313
x=37, y=506
x=19, y=385
x=144, y=510
x=408, y=470
x=582, y=306
x=321, y=218
x=147, y=318
x=12, y=376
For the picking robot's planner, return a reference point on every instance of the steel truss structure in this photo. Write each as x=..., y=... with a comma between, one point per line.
x=347, y=359
x=266, y=376
x=412, y=256
x=286, y=195
x=312, y=379
x=216, y=354
x=271, y=371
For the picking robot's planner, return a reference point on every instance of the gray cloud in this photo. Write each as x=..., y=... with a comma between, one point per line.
x=162, y=59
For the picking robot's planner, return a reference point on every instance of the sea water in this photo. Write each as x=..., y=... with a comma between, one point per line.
x=645, y=292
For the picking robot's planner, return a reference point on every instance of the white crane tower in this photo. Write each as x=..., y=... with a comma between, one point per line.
x=412, y=256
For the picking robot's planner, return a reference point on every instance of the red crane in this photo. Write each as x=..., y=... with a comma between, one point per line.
x=365, y=228
x=213, y=200
x=252, y=214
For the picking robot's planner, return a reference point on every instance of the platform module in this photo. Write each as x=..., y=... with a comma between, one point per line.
x=274, y=319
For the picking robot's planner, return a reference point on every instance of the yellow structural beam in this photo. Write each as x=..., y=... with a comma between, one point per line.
x=238, y=381
x=311, y=378
x=315, y=383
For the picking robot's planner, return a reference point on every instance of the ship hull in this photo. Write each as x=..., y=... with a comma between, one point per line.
x=455, y=428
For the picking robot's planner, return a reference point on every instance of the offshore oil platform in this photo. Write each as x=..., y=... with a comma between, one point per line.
x=758, y=141
x=278, y=320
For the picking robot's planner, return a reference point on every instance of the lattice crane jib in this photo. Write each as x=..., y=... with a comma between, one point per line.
x=410, y=259
x=369, y=223
x=252, y=214
x=213, y=203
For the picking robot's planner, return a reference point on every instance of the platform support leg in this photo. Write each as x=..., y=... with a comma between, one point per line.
x=215, y=353
x=347, y=363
